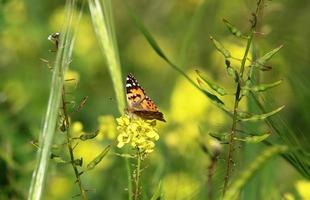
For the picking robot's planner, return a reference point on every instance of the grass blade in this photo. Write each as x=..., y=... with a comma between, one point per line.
x=158, y=193
x=102, y=18
x=244, y=177
x=62, y=61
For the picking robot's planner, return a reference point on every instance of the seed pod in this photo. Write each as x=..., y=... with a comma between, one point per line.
x=242, y=114
x=220, y=48
x=58, y=159
x=97, y=159
x=88, y=136
x=246, y=88
x=223, y=137
x=264, y=87
x=262, y=60
x=254, y=138
x=236, y=32
x=261, y=116
x=212, y=85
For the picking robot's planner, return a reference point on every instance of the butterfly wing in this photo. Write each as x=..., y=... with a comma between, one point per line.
x=139, y=103
x=134, y=93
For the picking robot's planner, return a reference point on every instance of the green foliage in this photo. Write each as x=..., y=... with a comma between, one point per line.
x=140, y=26
x=188, y=159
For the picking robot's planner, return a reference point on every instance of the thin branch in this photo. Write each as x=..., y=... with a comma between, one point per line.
x=70, y=148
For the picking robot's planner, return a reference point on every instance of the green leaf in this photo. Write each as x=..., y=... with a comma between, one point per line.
x=242, y=179
x=92, y=164
x=212, y=85
x=158, y=193
x=262, y=60
x=220, y=48
x=88, y=136
x=103, y=24
x=263, y=87
x=213, y=97
x=254, y=138
x=261, y=116
x=236, y=32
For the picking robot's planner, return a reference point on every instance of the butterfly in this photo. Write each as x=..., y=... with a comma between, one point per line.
x=139, y=103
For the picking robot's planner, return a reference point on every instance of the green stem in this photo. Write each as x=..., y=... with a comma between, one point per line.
x=244, y=59
x=70, y=148
x=231, y=139
x=238, y=98
x=128, y=178
x=229, y=159
x=137, y=177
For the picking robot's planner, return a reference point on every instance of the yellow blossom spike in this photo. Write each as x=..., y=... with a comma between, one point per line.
x=139, y=133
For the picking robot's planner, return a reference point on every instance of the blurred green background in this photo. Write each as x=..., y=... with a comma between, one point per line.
x=182, y=29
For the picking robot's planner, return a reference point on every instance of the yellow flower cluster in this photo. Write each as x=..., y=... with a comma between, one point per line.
x=139, y=133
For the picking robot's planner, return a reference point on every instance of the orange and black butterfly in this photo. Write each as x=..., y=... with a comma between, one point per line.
x=139, y=103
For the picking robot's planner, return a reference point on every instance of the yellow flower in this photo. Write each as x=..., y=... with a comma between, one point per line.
x=137, y=132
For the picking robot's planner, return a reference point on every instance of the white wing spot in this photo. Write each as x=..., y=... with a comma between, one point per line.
x=128, y=85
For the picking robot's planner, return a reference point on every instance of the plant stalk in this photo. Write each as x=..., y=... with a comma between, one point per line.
x=128, y=178
x=70, y=148
x=238, y=97
x=229, y=159
x=137, y=177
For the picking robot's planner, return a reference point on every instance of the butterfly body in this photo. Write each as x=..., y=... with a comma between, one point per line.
x=139, y=103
